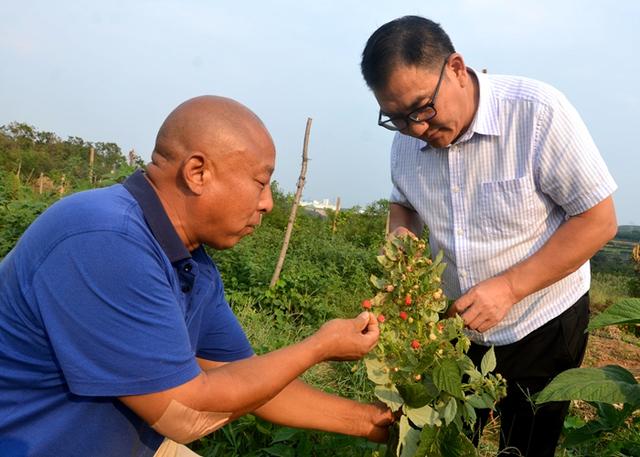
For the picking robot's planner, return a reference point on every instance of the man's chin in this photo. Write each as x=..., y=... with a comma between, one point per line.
x=438, y=139
x=436, y=143
x=228, y=243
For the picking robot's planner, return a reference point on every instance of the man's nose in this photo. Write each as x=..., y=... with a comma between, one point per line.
x=416, y=129
x=266, y=200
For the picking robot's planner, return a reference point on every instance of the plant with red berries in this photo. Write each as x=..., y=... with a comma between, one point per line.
x=420, y=366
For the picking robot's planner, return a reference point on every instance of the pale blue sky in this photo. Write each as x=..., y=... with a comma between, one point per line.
x=111, y=71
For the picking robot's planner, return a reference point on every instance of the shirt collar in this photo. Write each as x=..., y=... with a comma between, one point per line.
x=485, y=122
x=156, y=217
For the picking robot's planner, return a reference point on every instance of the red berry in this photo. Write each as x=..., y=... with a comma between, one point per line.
x=440, y=327
x=407, y=300
x=366, y=304
x=415, y=344
x=403, y=315
x=381, y=318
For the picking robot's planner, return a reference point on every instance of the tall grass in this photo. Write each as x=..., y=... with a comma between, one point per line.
x=608, y=288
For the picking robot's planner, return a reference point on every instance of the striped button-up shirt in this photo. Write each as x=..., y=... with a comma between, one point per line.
x=495, y=196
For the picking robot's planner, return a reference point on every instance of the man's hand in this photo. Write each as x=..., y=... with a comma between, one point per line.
x=377, y=420
x=485, y=304
x=400, y=231
x=348, y=339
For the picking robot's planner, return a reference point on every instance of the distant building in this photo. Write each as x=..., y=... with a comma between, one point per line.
x=319, y=204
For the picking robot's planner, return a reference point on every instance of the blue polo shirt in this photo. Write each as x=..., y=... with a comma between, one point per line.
x=101, y=299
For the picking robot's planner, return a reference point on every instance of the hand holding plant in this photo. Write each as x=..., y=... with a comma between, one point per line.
x=420, y=366
x=347, y=339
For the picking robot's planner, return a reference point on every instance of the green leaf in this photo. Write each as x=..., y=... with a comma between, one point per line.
x=284, y=434
x=463, y=344
x=280, y=450
x=424, y=416
x=457, y=422
x=488, y=362
x=609, y=419
x=445, y=442
x=393, y=440
x=611, y=416
x=488, y=399
x=447, y=377
x=474, y=375
x=573, y=422
x=470, y=412
x=398, y=243
x=478, y=402
x=456, y=444
x=389, y=396
x=591, y=431
x=431, y=316
x=408, y=439
x=450, y=410
x=626, y=311
x=382, y=260
x=466, y=365
x=429, y=443
x=610, y=384
x=377, y=282
x=262, y=428
x=378, y=299
x=389, y=254
x=438, y=258
x=377, y=371
x=417, y=394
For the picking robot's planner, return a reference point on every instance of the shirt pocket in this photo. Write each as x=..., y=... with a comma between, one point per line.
x=507, y=206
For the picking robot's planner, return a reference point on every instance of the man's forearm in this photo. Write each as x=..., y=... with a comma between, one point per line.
x=279, y=370
x=242, y=386
x=575, y=241
x=302, y=406
x=401, y=217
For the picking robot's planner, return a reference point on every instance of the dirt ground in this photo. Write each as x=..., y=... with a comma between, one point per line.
x=613, y=346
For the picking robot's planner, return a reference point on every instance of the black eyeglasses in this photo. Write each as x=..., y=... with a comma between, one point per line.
x=422, y=114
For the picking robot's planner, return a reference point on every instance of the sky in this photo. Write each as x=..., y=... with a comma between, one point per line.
x=112, y=71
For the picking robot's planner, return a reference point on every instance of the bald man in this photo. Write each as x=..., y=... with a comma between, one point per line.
x=114, y=329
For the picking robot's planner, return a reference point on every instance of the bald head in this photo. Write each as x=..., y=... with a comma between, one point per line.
x=211, y=168
x=210, y=125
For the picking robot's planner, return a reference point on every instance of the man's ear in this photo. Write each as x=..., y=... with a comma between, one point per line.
x=195, y=172
x=456, y=62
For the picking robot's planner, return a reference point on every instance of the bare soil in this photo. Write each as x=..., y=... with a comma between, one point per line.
x=613, y=346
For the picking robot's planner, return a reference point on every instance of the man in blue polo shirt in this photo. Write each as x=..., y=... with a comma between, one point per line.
x=114, y=329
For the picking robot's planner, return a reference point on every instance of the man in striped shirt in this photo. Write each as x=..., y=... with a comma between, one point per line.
x=513, y=190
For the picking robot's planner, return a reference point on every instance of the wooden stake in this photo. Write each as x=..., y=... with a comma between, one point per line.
x=294, y=208
x=92, y=153
x=61, y=190
x=335, y=216
x=386, y=226
x=41, y=183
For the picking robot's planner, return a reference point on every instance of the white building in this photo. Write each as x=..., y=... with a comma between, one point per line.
x=319, y=204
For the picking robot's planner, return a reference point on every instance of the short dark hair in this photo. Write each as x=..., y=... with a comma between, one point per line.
x=408, y=40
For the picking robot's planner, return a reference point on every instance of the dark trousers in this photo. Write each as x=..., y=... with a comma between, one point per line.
x=528, y=366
